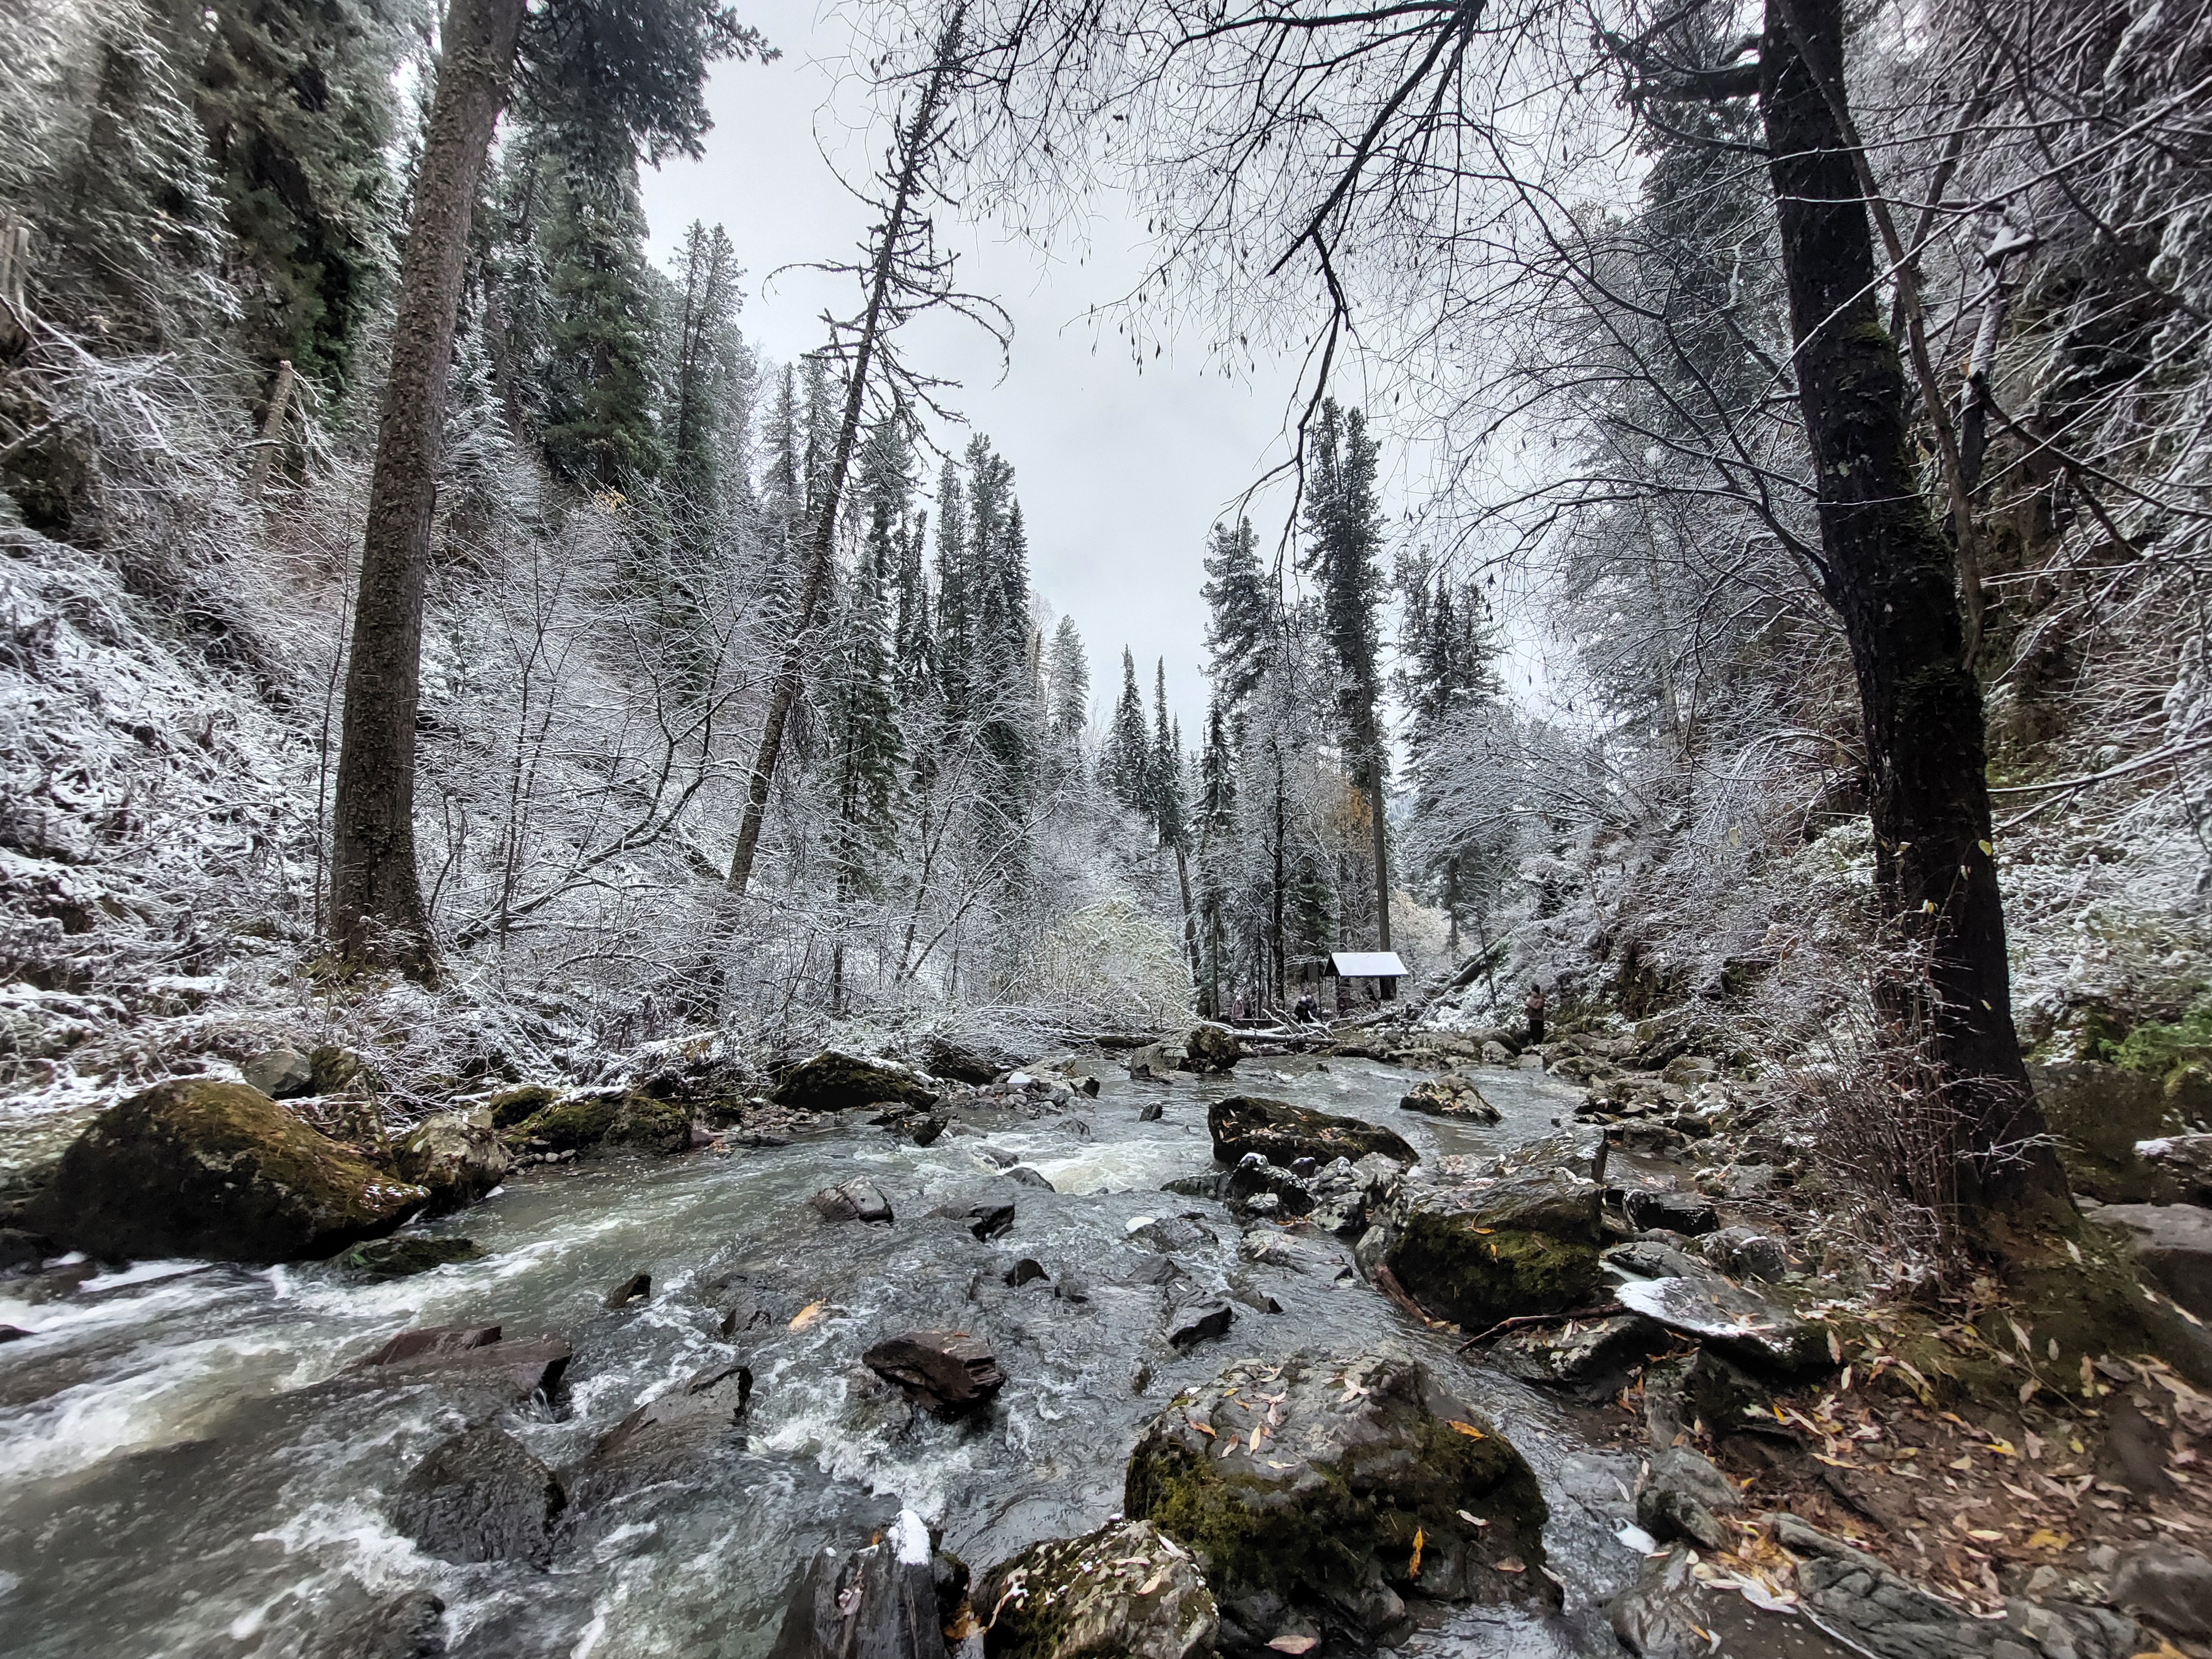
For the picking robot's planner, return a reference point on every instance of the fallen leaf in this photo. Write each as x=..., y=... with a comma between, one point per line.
x=1203, y=1428
x=1295, y=1643
x=1420, y=1538
x=1984, y=1536
x=1258, y=1429
x=806, y=1315
x=1466, y=1429
x=1963, y=1462
x=1473, y=1520
x=1510, y=1563
x=2044, y=1539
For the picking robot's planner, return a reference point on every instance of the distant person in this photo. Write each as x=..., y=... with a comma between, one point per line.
x=1307, y=1012
x=1535, y=1009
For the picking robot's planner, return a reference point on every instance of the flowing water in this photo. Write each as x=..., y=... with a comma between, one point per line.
x=180, y=1474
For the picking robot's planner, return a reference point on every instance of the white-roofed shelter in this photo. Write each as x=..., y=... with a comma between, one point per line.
x=1383, y=967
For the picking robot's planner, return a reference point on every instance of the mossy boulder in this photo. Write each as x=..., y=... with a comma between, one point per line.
x=596, y=1119
x=1126, y=1591
x=2098, y=1112
x=403, y=1258
x=1487, y=1248
x=1319, y=1494
x=1283, y=1133
x=833, y=1081
x=512, y=1106
x=217, y=1171
x=459, y=1161
x=1449, y=1096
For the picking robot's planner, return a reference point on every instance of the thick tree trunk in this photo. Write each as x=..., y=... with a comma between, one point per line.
x=376, y=897
x=1382, y=859
x=1890, y=576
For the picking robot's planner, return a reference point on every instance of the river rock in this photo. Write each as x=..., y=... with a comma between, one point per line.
x=1022, y=1176
x=1579, y=1350
x=1210, y=1048
x=1450, y=1096
x=665, y=1437
x=2173, y=1247
x=1745, y=1252
x=590, y=1119
x=1684, y=1496
x=951, y=1372
x=1656, y=1257
x=1670, y=1212
x=1283, y=1133
x=2167, y=1583
x=481, y=1496
x=854, y=1200
x=1482, y=1248
x=638, y=1287
x=217, y=1171
x=890, y=1600
x=2187, y=1158
x=986, y=1218
x=1301, y=1487
x=1740, y=1323
x=282, y=1075
x=472, y=1357
x=1198, y=1322
x=459, y=1161
x=963, y=1062
x=403, y=1258
x=833, y=1081
x=1028, y=1270
x=1156, y=1062
x=1255, y=1178
x=1126, y=1591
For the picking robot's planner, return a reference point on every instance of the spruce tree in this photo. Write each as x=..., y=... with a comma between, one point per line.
x=1070, y=689
x=707, y=364
x=1126, y=760
x=1241, y=615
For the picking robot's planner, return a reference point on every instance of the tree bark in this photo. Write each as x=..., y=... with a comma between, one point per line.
x=1889, y=574
x=1382, y=857
x=376, y=895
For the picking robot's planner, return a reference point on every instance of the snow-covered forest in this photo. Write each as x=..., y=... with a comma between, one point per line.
x=1727, y=602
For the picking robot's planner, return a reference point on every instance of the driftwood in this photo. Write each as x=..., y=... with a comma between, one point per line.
x=1604, y=1309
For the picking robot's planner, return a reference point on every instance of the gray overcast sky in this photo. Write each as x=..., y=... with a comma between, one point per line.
x=1120, y=473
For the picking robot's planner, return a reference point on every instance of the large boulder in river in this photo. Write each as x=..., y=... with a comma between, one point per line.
x=481, y=1496
x=1320, y=1493
x=196, y=1168
x=890, y=1600
x=834, y=1080
x=1449, y=1096
x=1283, y=1133
x=951, y=1372
x=1126, y=1591
x=459, y=1161
x=666, y=1436
x=1210, y=1048
x=1482, y=1248
x=611, y=1119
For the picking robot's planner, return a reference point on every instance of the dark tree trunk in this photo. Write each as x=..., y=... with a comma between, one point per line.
x=376, y=898
x=1382, y=858
x=1890, y=576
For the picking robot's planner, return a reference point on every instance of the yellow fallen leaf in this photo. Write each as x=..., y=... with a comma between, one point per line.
x=1833, y=1463
x=2044, y=1539
x=1510, y=1563
x=1965, y=1462
x=2004, y=1448
x=1203, y=1428
x=1258, y=1429
x=1466, y=1429
x=1420, y=1538
x=806, y=1315
x=1984, y=1535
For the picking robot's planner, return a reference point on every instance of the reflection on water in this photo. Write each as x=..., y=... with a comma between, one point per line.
x=184, y=1477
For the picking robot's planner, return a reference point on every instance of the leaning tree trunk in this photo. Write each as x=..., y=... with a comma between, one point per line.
x=376, y=897
x=1890, y=576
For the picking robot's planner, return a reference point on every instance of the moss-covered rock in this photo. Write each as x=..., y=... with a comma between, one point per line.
x=1487, y=1248
x=459, y=1161
x=2098, y=1112
x=833, y=1081
x=512, y=1106
x=403, y=1258
x=1126, y=1591
x=647, y=1125
x=597, y=1118
x=1283, y=1133
x=1318, y=1494
x=1449, y=1096
x=196, y=1168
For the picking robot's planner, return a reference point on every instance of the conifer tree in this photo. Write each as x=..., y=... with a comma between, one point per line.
x=1069, y=680
x=1240, y=615
x=1126, y=760
x=956, y=631
x=708, y=362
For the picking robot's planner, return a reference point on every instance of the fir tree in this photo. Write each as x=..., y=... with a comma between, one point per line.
x=1126, y=757
x=707, y=364
x=1241, y=615
x=1163, y=796
x=1069, y=680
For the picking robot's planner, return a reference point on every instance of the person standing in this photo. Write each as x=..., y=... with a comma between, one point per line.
x=1534, y=1008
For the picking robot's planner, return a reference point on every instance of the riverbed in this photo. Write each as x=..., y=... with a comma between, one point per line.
x=188, y=1472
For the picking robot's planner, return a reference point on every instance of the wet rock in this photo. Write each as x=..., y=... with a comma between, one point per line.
x=1027, y=1271
x=951, y=1372
x=890, y=1600
x=1126, y=1591
x=1198, y=1322
x=665, y=1438
x=1024, y=1176
x=1707, y=1390
x=1204, y=1186
x=1346, y=1195
x=833, y=1081
x=927, y=1132
x=20, y=1250
x=1578, y=1350
x=2172, y=1245
x=217, y=1171
x=1168, y=1234
x=403, y=1258
x=1301, y=1488
x=1255, y=1176
x=1156, y=1062
x=1745, y=1252
x=282, y=1075
x=472, y=1357
x=2169, y=1583
x=1676, y=1212
x=1654, y=1258
x=1210, y=1048
x=406, y=1625
x=986, y=1218
x=1740, y=1323
x=1450, y=1096
x=962, y=1062
x=1151, y=1112
x=1684, y=1496
x=590, y=1119
x=1282, y=1133
x=13, y=1333
x=638, y=1287
x=481, y=1496
x=457, y=1160
x=1158, y=1270
x=1484, y=1248
x=334, y=1068
x=854, y=1200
